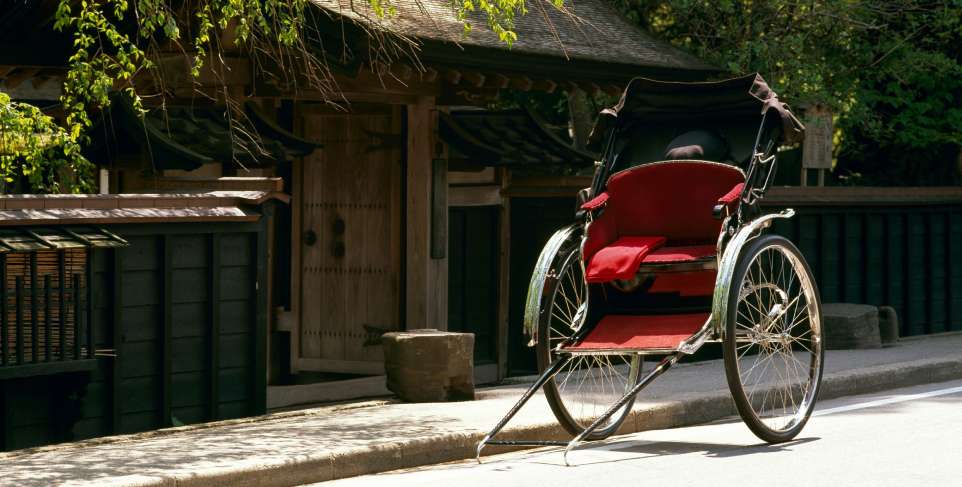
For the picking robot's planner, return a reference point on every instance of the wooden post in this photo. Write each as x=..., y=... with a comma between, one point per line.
x=504, y=275
x=34, y=311
x=426, y=279
x=213, y=337
x=167, y=327
x=297, y=197
x=4, y=326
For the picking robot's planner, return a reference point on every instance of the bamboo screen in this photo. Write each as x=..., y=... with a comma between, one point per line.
x=41, y=301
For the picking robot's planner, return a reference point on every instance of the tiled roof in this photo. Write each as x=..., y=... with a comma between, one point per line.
x=506, y=138
x=183, y=137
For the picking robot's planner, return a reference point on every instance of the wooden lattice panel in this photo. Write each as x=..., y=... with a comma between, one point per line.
x=46, y=294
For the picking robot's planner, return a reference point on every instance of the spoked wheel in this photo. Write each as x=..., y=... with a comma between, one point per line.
x=589, y=384
x=773, y=339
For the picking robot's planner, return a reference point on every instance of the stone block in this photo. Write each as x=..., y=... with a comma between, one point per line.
x=888, y=325
x=850, y=326
x=429, y=365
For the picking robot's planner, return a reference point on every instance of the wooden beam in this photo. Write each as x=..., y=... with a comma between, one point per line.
x=453, y=76
x=474, y=78
x=167, y=327
x=498, y=81
x=486, y=195
x=117, y=339
x=39, y=81
x=213, y=337
x=484, y=176
x=569, y=86
x=545, y=85
x=429, y=75
x=335, y=390
x=368, y=87
x=478, y=96
x=230, y=71
x=504, y=276
x=340, y=366
x=18, y=76
x=439, y=208
x=297, y=229
x=261, y=323
x=613, y=90
x=590, y=88
x=402, y=71
x=521, y=83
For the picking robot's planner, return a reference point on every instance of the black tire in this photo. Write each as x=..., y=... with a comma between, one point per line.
x=570, y=412
x=773, y=320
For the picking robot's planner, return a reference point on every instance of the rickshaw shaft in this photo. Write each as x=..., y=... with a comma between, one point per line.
x=545, y=377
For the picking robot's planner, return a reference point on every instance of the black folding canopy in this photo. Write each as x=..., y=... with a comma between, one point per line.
x=747, y=98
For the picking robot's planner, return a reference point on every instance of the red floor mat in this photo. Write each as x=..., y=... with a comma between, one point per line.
x=620, y=332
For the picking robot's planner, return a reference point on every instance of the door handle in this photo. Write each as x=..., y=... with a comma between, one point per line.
x=310, y=237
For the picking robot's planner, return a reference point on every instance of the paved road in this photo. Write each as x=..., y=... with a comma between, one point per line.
x=904, y=437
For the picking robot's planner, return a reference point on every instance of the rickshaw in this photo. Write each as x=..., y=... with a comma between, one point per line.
x=668, y=252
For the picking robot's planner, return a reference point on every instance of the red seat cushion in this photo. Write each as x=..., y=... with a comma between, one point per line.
x=688, y=253
x=670, y=199
x=621, y=258
x=623, y=332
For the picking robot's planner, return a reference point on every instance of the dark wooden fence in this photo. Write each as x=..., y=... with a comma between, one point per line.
x=900, y=247
x=178, y=327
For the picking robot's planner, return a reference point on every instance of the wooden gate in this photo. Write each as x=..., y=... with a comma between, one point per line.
x=349, y=218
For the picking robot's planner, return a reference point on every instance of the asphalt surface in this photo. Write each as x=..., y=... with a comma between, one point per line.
x=903, y=437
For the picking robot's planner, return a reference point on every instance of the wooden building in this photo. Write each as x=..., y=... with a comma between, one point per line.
x=398, y=216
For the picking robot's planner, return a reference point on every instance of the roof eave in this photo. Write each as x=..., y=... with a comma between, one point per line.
x=553, y=67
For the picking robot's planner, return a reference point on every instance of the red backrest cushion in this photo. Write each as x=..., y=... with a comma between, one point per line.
x=668, y=199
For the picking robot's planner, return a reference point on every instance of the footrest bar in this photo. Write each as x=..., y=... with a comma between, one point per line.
x=527, y=443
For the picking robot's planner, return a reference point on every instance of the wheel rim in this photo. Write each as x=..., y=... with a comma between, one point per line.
x=778, y=339
x=589, y=384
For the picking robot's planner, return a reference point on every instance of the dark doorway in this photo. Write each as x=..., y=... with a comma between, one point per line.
x=473, y=277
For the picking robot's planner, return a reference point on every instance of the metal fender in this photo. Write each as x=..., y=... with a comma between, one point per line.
x=726, y=267
x=539, y=277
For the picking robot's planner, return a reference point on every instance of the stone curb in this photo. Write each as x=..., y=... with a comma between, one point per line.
x=687, y=409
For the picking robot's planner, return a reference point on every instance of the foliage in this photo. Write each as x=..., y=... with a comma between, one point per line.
x=890, y=69
x=36, y=151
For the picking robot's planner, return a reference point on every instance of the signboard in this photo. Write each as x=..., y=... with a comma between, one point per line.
x=817, y=147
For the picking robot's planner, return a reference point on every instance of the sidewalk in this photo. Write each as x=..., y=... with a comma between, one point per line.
x=342, y=441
